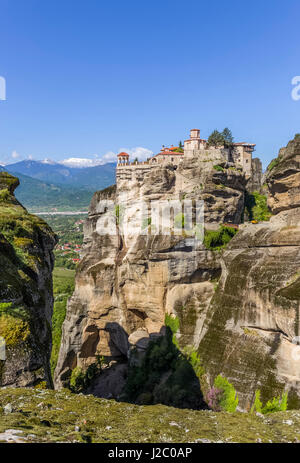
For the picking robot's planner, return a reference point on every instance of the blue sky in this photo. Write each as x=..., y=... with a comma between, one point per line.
x=86, y=78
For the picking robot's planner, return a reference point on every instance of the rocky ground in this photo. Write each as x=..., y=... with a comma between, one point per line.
x=39, y=415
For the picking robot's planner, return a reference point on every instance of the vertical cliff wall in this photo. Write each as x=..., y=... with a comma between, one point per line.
x=127, y=283
x=26, y=300
x=237, y=308
x=251, y=328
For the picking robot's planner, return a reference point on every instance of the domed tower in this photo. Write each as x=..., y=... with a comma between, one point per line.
x=123, y=159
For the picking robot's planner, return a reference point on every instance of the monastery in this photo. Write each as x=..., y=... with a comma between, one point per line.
x=239, y=154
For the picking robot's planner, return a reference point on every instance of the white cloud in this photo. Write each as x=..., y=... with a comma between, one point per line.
x=139, y=152
x=15, y=155
x=81, y=162
x=110, y=156
x=48, y=161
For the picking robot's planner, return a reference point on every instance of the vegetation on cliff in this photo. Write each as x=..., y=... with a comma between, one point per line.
x=63, y=287
x=218, y=239
x=25, y=288
x=166, y=374
x=256, y=207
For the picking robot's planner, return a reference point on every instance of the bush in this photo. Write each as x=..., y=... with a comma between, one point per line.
x=77, y=380
x=218, y=239
x=228, y=400
x=277, y=404
x=256, y=207
x=80, y=380
x=213, y=398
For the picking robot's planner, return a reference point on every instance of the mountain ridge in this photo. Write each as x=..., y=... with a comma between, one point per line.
x=90, y=178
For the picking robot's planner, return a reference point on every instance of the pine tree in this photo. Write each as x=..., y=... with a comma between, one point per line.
x=215, y=139
x=228, y=138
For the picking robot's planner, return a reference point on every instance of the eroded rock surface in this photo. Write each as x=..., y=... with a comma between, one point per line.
x=26, y=301
x=126, y=283
x=252, y=324
x=238, y=308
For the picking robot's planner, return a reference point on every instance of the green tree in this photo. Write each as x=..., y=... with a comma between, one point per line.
x=215, y=139
x=227, y=137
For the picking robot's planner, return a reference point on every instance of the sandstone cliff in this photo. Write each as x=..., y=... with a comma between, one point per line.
x=26, y=300
x=237, y=310
x=253, y=319
x=125, y=284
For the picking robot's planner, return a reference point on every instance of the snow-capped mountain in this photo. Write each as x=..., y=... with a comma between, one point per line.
x=82, y=162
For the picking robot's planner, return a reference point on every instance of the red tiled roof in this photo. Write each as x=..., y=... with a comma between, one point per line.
x=123, y=154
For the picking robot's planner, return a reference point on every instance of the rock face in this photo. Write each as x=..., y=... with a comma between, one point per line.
x=26, y=300
x=252, y=323
x=126, y=283
x=284, y=178
x=239, y=308
x=255, y=181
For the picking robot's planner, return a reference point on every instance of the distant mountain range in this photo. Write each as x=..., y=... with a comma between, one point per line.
x=47, y=185
x=90, y=178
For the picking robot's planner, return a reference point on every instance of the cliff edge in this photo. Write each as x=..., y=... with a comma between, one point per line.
x=26, y=300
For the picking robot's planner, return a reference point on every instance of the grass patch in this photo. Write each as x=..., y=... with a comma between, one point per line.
x=60, y=416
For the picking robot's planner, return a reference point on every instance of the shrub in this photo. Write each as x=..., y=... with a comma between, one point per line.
x=77, y=380
x=218, y=239
x=256, y=207
x=213, y=398
x=80, y=380
x=229, y=399
x=277, y=404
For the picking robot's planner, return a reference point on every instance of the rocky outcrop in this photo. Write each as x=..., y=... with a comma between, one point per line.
x=283, y=178
x=251, y=330
x=126, y=283
x=238, y=309
x=26, y=300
